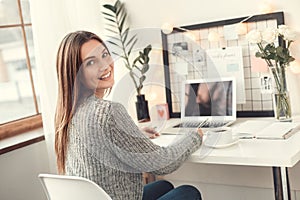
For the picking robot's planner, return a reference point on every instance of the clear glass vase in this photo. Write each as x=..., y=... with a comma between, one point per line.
x=282, y=103
x=282, y=106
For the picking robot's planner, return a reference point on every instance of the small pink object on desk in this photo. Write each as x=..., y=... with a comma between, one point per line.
x=162, y=111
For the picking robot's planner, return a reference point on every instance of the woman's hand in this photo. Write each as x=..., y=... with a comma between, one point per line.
x=150, y=132
x=200, y=132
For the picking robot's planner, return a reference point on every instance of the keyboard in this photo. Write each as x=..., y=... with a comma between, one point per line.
x=209, y=124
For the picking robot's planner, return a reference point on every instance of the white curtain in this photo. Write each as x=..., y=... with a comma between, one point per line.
x=51, y=21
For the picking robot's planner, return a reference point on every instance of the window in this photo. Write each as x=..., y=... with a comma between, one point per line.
x=19, y=97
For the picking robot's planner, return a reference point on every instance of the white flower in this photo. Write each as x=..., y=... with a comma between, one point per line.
x=268, y=50
x=269, y=35
x=290, y=35
x=282, y=29
x=287, y=33
x=254, y=36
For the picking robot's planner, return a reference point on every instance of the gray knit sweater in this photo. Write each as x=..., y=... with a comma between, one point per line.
x=107, y=147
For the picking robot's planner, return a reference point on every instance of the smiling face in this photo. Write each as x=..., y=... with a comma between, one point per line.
x=97, y=67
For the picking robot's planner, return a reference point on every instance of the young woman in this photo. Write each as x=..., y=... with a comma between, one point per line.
x=98, y=140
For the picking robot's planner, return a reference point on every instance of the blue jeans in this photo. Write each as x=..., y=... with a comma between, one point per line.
x=164, y=190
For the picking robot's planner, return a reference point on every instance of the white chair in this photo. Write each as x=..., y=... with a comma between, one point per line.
x=61, y=187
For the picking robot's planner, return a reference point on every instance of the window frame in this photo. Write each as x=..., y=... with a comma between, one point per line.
x=22, y=125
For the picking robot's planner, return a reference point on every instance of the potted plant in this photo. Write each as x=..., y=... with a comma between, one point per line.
x=117, y=24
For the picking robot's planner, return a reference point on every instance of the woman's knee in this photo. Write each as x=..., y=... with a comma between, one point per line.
x=191, y=190
x=165, y=184
x=157, y=189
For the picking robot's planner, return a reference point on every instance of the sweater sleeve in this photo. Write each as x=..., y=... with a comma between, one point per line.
x=137, y=152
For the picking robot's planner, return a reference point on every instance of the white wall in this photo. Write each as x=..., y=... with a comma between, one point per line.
x=19, y=171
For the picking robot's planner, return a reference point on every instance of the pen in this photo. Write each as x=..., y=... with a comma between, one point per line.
x=202, y=123
x=291, y=131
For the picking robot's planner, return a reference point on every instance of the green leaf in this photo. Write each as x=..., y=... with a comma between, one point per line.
x=115, y=53
x=132, y=39
x=272, y=57
x=141, y=54
x=125, y=34
x=121, y=15
x=147, y=49
x=111, y=20
x=120, y=8
x=114, y=26
x=115, y=38
x=131, y=73
x=140, y=88
x=146, y=59
x=109, y=15
x=142, y=79
x=280, y=52
x=145, y=68
x=126, y=65
x=113, y=31
x=136, y=60
x=258, y=54
x=133, y=44
x=124, y=57
x=291, y=59
x=134, y=66
x=113, y=43
x=272, y=49
x=117, y=4
x=140, y=61
x=110, y=7
x=122, y=21
x=119, y=56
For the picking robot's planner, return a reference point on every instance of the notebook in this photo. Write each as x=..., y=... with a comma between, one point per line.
x=267, y=129
x=208, y=103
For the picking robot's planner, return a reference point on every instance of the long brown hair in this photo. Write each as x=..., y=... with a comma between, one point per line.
x=68, y=66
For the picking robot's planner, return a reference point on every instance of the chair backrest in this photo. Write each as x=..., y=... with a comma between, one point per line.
x=62, y=187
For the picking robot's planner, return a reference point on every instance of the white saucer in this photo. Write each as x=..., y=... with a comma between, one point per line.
x=220, y=146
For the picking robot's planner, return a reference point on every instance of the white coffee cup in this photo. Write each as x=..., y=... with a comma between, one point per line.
x=219, y=137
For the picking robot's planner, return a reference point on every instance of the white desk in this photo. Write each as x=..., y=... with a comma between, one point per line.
x=278, y=154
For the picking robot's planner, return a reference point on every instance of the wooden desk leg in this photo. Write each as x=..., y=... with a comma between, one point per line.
x=281, y=183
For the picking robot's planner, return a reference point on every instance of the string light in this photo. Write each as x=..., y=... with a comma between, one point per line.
x=167, y=28
x=265, y=7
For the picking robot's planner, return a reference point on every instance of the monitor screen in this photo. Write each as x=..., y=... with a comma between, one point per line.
x=213, y=98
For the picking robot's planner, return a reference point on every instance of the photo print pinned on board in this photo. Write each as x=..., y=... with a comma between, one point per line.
x=180, y=48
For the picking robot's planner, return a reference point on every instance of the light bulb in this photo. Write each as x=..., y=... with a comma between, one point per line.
x=265, y=7
x=167, y=28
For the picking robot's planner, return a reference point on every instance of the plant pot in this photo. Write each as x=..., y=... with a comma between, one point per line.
x=142, y=110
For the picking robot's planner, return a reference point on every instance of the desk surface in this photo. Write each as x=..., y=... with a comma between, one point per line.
x=250, y=152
